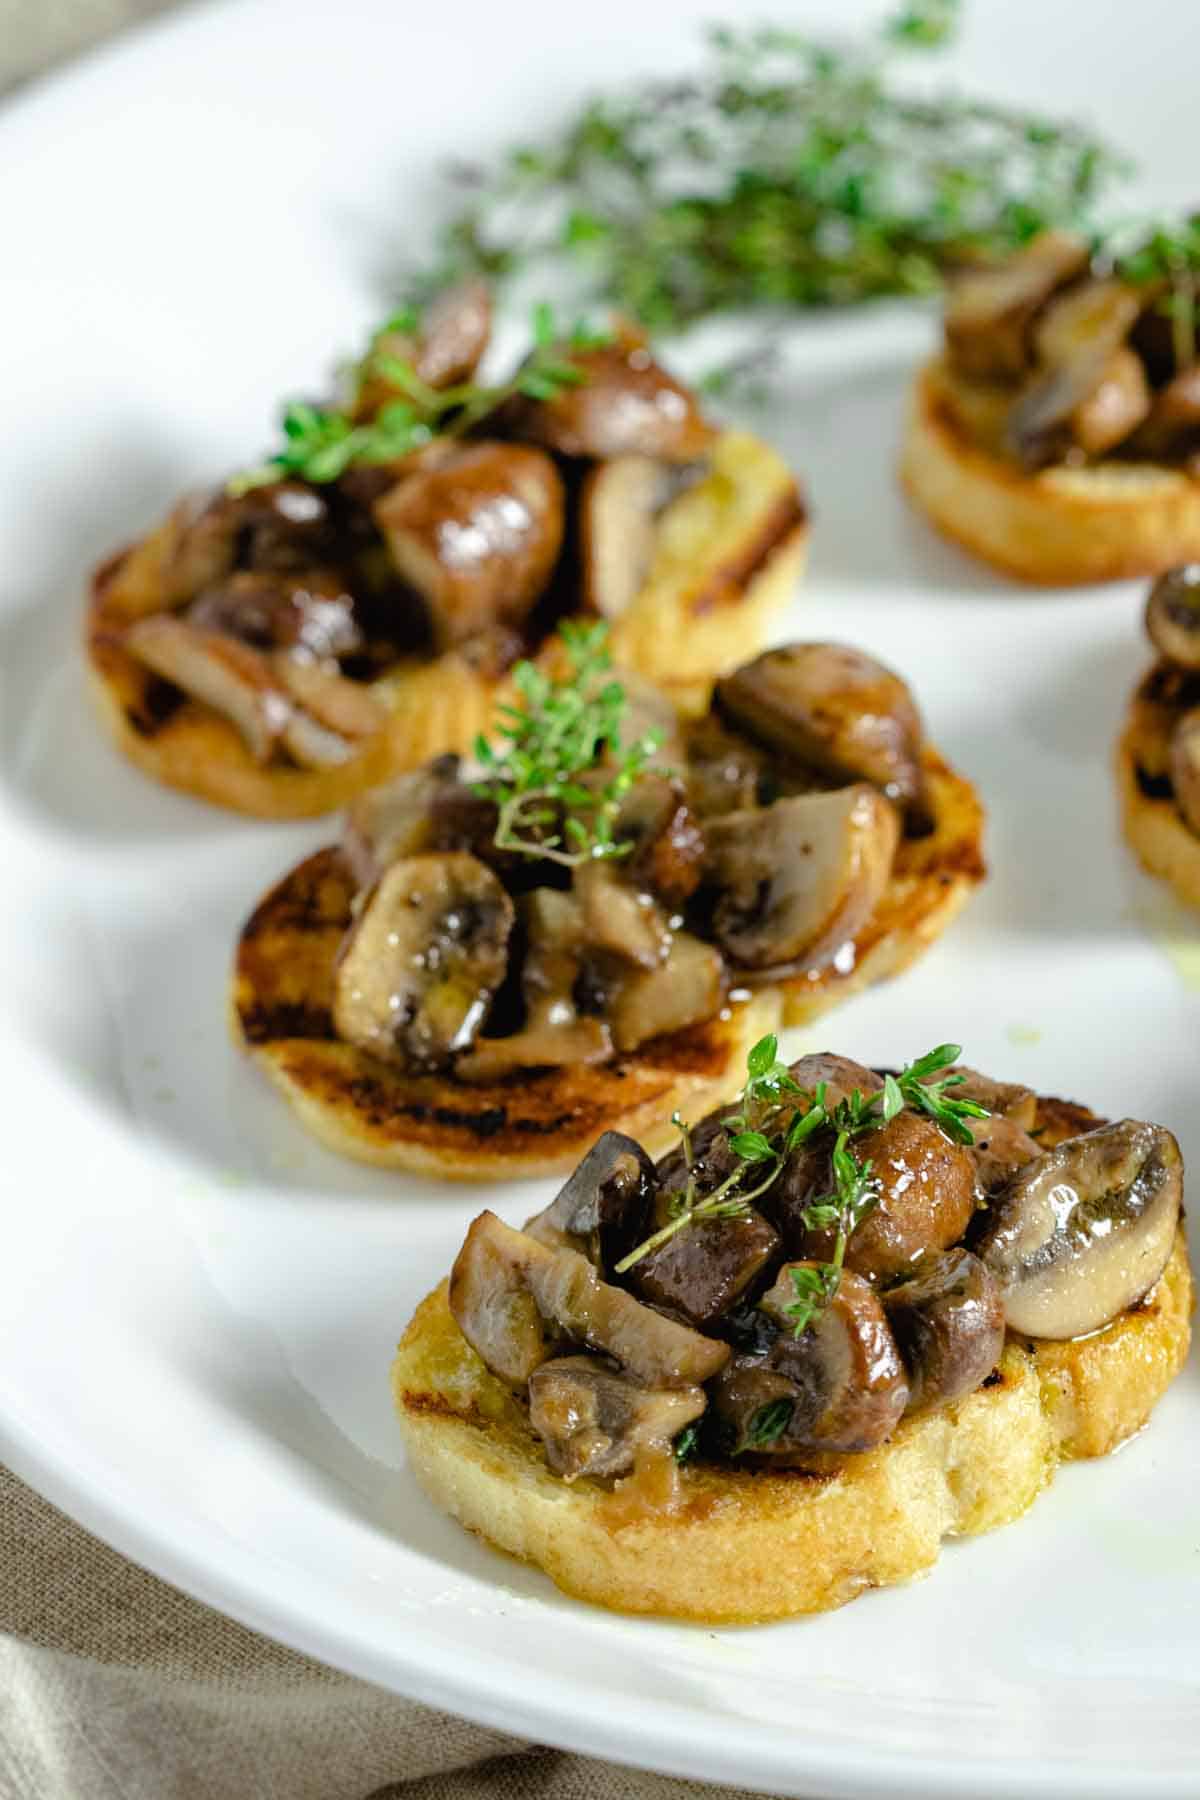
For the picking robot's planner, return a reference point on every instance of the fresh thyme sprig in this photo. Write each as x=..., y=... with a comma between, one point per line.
x=774, y=1117
x=320, y=443
x=790, y=170
x=562, y=769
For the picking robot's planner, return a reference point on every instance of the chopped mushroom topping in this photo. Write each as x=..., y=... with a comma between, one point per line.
x=797, y=880
x=684, y=990
x=699, y=1274
x=311, y=611
x=926, y=1197
x=1115, y=407
x=947, y=1318
x=499, y=1270
x=228, y=676
x=834, y=708
x=845, y=1380
x=1086, y=1229
x=625, y=405
x=667, y=858
x=989, y=312
x=446, y=348
x=1185, y=766
x=595, y=1421
x=1001, y=1148
x=341, y=706
x=1173, y=616
x=618, y=917
x=477, y=534
x=396, y=819
x=1076, y=339
x=602, y=1209
x=420, y=966
x=1012, y=1098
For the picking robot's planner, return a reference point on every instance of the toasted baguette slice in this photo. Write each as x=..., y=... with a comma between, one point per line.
x=543, y=1122
x=750, y=1545
x=1057, y=527
x=1166, y=845
x=729, y=553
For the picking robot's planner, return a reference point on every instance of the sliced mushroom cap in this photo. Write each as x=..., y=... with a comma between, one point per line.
x=989, y=311
x=1001, y=1148
x=1076, y=339
x=1082, y=1233
x=233, y=679
x=619, y=506
x=849, y=1385
x=947, y=1318
x=1185, y=766
x=603, y=1207
x=686, y=989
x=477, y=534
x=626, y=404
x=312, y=610
x=1173, y=616
x=620, y=917
x=925, y=1188
x=340, y=705
x=699, y=1274
x=798, y=880
x=1115, y=407
x=396, y=819
x=555, y=1034
x=420, y=966
x=574, y=1305
x=445, y=348
x=835, y=709
x=595, y=1421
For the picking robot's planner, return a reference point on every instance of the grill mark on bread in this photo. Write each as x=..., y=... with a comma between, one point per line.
x=726, y=584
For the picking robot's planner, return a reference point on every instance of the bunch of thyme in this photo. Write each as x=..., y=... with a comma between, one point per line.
x=788, y=171
x=545, y=775
x=775, y=1116
x=320, y=443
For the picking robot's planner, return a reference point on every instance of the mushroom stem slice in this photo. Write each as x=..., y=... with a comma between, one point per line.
x=233, y=679
x=1084, y=1231
x=798, y=880
x=419, y=967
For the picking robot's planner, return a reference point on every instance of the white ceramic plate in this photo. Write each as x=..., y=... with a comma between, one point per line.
x=197, y=1306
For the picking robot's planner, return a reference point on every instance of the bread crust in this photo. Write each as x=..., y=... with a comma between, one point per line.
x=1165, y=844
x=744, y=1545
x=541, y=1123
x=730, y=551
x=1057, y=527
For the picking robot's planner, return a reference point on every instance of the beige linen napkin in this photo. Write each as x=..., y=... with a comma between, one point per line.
x=114, y=1686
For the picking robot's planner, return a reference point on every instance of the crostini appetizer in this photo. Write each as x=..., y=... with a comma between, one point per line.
x=850, y=1315
x=357, y=603
x=1158, y=756
x=589, y=926
x=1058, y=434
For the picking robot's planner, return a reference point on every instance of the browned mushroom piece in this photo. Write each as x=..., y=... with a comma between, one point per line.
x=444, y=346
x=1185, y=766
x=477, y=534
x=419, y=968
x=725, y=772
x=925, y=1198
x=339, y=705
x=602, y=1208
x=667, y=857
x=621, y=504
x=1172, y=426
x=1076, y=339
x=947, y=1318
x=989, y=311
x=1001, y=1148
x=555, y=1033
x=497, y=1267
x=620, y=917
x=595, y=1421
x=311, y=611
x=700, y=1273
x=397, y=818
x=625, y=404
x=217, y=670
x=840, y=1076
x=1173, y=616
x=797, y=881
x=685, y=989
x=1115, y=407
x=1084, y=1231
x=834, y=708
x=712, y=1158
x=1012, y=1098
x=848, y=1387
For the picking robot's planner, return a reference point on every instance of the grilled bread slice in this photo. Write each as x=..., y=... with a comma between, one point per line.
x=542, y=1122
x=1165, y=844
x=741, y=1545
x=1060, y=526
x=728, y=553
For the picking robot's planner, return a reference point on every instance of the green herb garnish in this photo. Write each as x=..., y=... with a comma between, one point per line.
x=321, y=443
x=774, y=1117
x=688, y=1442
x=561, y=769
x=1168, y=256
x=788, y=171
x=768, y=1425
